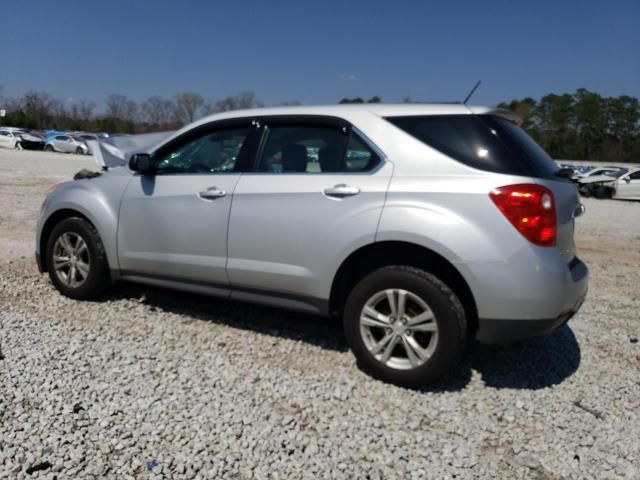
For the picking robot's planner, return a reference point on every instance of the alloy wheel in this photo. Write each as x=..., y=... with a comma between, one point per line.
x=399, y=329
x=71, y=260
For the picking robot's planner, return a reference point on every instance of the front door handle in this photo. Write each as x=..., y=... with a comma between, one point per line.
x=212, y=193
x=341, y=191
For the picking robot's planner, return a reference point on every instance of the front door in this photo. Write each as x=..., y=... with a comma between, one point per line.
x=173, y=224
x=629, y=186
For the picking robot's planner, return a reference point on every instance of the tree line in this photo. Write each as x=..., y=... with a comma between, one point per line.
x=39, y=110
x=582, y=125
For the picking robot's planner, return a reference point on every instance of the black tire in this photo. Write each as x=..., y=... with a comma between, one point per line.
x=18, y=146
x=79, y=151
x=48, y=148
x=447, y=310
x=602, y=192
x=98, y=279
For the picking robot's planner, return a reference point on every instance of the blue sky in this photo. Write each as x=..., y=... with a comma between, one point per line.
x=320, y=51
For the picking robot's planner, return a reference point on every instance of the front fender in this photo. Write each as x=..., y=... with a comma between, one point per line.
x=100, y=207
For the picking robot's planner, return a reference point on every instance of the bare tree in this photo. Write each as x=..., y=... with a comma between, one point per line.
x=85, y=110
x=157, y=110
x=243, y=100
x=119, y=106
x=188, y=106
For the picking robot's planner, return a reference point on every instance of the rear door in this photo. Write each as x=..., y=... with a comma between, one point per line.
x=316, y=193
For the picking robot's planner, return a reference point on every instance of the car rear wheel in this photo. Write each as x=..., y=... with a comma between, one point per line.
x=76, y=260
x=18, y=146
x=404, y=326
x=48, y=148
x=79, y=151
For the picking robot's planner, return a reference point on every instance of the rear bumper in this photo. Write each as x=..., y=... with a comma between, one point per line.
x=555, y=306
x=503, y=331
x=573, y=294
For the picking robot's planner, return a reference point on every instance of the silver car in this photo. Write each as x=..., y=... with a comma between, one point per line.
x=421, y=226
x=68, y=144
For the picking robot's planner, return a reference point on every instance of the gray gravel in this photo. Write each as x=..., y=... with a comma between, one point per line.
x=149, y=383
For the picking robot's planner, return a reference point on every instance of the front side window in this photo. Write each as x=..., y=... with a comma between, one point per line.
x=635, y=175
x=213, y=152
x=314, y=149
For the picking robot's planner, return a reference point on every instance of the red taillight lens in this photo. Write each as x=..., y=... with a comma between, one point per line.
x=531, y=209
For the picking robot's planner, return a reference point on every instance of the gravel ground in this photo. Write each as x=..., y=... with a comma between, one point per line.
x=149, y=383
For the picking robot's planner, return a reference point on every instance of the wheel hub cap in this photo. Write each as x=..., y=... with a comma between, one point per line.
x=71, y=261
x=399, y=329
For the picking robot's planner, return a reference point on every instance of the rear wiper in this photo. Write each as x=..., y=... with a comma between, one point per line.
x=564, y=172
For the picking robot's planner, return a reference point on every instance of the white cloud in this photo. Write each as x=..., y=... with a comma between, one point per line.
x=349, y=77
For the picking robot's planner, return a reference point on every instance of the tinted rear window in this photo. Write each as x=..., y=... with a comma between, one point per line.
x=485, y=142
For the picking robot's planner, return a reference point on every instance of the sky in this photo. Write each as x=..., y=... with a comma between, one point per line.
x=317, y=52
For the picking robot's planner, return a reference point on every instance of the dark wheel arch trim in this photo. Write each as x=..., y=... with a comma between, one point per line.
x=376, y=255
x=49, y=225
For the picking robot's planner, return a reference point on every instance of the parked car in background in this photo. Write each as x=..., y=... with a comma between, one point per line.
x=594, y=171
x=68, y=144
x=21, y=139
x=623, y=184
x=421, y=226
x=89, y=136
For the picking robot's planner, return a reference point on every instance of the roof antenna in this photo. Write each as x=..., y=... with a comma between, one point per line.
x=473, y=90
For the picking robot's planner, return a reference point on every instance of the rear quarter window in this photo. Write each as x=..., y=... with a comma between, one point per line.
x=485, y=142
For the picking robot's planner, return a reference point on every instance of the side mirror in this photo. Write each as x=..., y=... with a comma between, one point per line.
x=627, y=179
x=565, y=172
x=141, y=162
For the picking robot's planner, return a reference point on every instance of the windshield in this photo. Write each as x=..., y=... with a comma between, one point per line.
x=618, y=173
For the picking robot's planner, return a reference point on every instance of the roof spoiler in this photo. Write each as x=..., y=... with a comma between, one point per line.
x=506, y=114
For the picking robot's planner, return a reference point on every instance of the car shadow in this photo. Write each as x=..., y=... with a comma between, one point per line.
x=532, y=364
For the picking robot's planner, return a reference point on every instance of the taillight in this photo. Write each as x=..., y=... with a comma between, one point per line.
x=531, y=209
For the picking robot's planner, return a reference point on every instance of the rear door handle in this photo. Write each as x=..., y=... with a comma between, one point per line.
x=212, y=193
x=341, y=191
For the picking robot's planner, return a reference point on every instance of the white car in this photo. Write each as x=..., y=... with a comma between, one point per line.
x=68, y=144
x=595, y=171
x=623, y=184
x=20, y=138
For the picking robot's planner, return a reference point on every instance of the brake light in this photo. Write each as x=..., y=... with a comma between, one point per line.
x=531, y=209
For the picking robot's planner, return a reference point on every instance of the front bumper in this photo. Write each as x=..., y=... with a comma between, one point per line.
x=29, y=145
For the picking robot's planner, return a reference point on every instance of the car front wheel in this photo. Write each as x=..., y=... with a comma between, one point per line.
x=76, y=260
x=405, y=326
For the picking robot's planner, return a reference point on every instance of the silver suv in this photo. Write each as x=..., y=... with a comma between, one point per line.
x=422, y=226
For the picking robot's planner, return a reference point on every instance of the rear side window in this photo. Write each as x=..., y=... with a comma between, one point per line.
x=484, y=142
x=314, y=149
